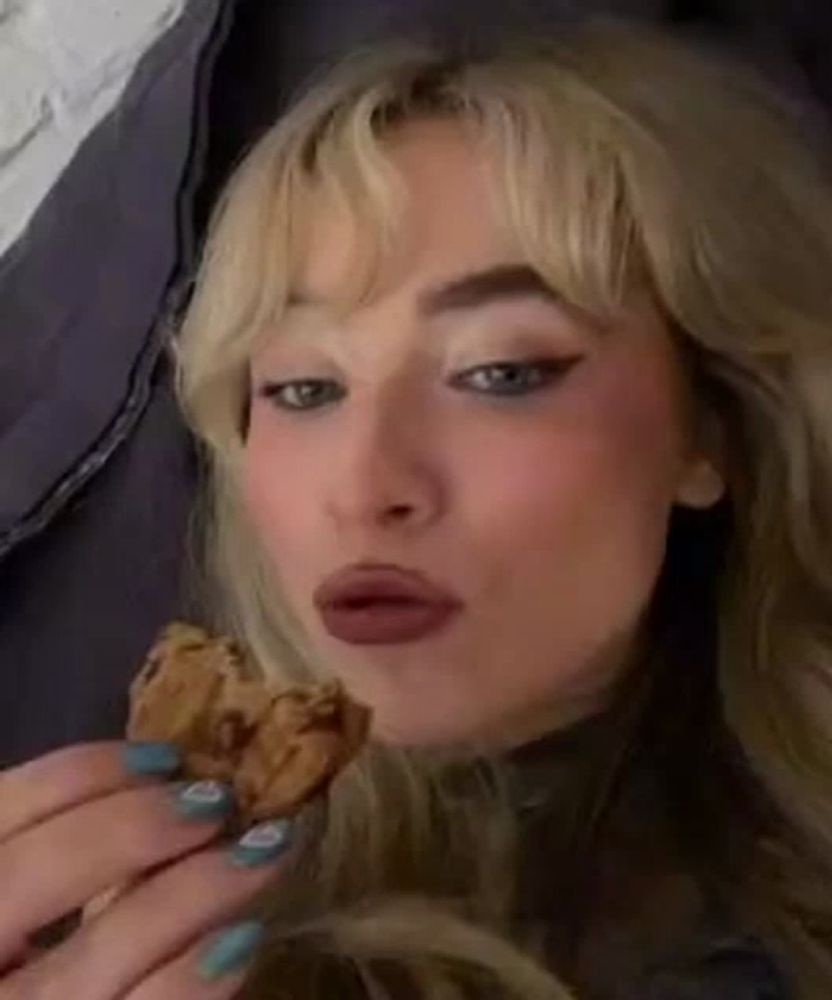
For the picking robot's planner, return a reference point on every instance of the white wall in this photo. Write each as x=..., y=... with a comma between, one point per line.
x=63, y=66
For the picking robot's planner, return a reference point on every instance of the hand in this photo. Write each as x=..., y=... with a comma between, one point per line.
x=79, y=821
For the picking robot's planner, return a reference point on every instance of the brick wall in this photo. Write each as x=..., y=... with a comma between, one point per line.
x=63, y=66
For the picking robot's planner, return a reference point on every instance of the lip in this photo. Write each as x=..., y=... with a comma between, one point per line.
x=376, y=603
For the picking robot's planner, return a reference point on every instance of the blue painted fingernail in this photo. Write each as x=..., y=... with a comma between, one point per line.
x=263, y=843
x=151, y=758
x=203, y=800
x=230, y=949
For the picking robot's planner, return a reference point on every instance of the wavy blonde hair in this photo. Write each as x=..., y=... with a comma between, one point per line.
x=622, y=156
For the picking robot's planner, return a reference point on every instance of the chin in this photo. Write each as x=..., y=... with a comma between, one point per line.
x=402, y=717
x=430, y=732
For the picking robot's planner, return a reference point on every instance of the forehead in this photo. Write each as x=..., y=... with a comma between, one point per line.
x=446, y=215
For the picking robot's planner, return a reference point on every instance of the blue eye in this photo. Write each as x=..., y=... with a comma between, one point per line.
x=279, y=393
x=517, y=378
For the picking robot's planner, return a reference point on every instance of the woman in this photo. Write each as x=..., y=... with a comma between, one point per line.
x=546, y=330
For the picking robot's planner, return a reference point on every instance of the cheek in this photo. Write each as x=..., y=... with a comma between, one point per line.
x=617, y=448
x=580, y=500
x=271, y=490
x=634, y=428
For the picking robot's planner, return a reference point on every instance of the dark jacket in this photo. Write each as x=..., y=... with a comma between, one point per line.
x=623, y=910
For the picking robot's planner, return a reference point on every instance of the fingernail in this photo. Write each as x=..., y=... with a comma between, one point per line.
x=230, y=949
x=263, y=843
x=203, y=800
x=151, y=758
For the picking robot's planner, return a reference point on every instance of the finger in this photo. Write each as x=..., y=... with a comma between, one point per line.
x=57, y=866
x=154, y=923
x=214, y=969
x=41, y=788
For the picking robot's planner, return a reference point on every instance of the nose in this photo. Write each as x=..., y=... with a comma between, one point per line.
x=386, y=471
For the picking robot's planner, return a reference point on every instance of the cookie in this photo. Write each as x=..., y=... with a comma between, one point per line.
x=277, y=747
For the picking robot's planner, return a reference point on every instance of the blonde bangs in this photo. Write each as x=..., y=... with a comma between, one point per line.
x=255, y=250
x=580, y=235
x=562, y=195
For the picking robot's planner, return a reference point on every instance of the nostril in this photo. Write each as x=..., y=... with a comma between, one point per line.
x=400, y=510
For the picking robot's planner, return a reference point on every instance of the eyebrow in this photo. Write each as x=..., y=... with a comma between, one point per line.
x=503, y=282
x=496, y=284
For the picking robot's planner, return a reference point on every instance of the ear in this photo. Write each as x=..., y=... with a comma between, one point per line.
x=702, y=482
x=701, y=485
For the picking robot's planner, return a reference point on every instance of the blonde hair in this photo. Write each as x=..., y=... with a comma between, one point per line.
x=622, y=156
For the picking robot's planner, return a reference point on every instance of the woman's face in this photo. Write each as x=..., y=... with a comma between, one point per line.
x=545, y=510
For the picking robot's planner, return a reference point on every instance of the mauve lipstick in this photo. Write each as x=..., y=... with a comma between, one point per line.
x=381, y=603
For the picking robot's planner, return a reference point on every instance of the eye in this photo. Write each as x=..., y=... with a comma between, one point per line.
x=515, y=378
x=300, y=394
x=497, y=378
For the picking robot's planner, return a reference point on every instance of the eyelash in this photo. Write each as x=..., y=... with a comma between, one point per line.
x=549, y=370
